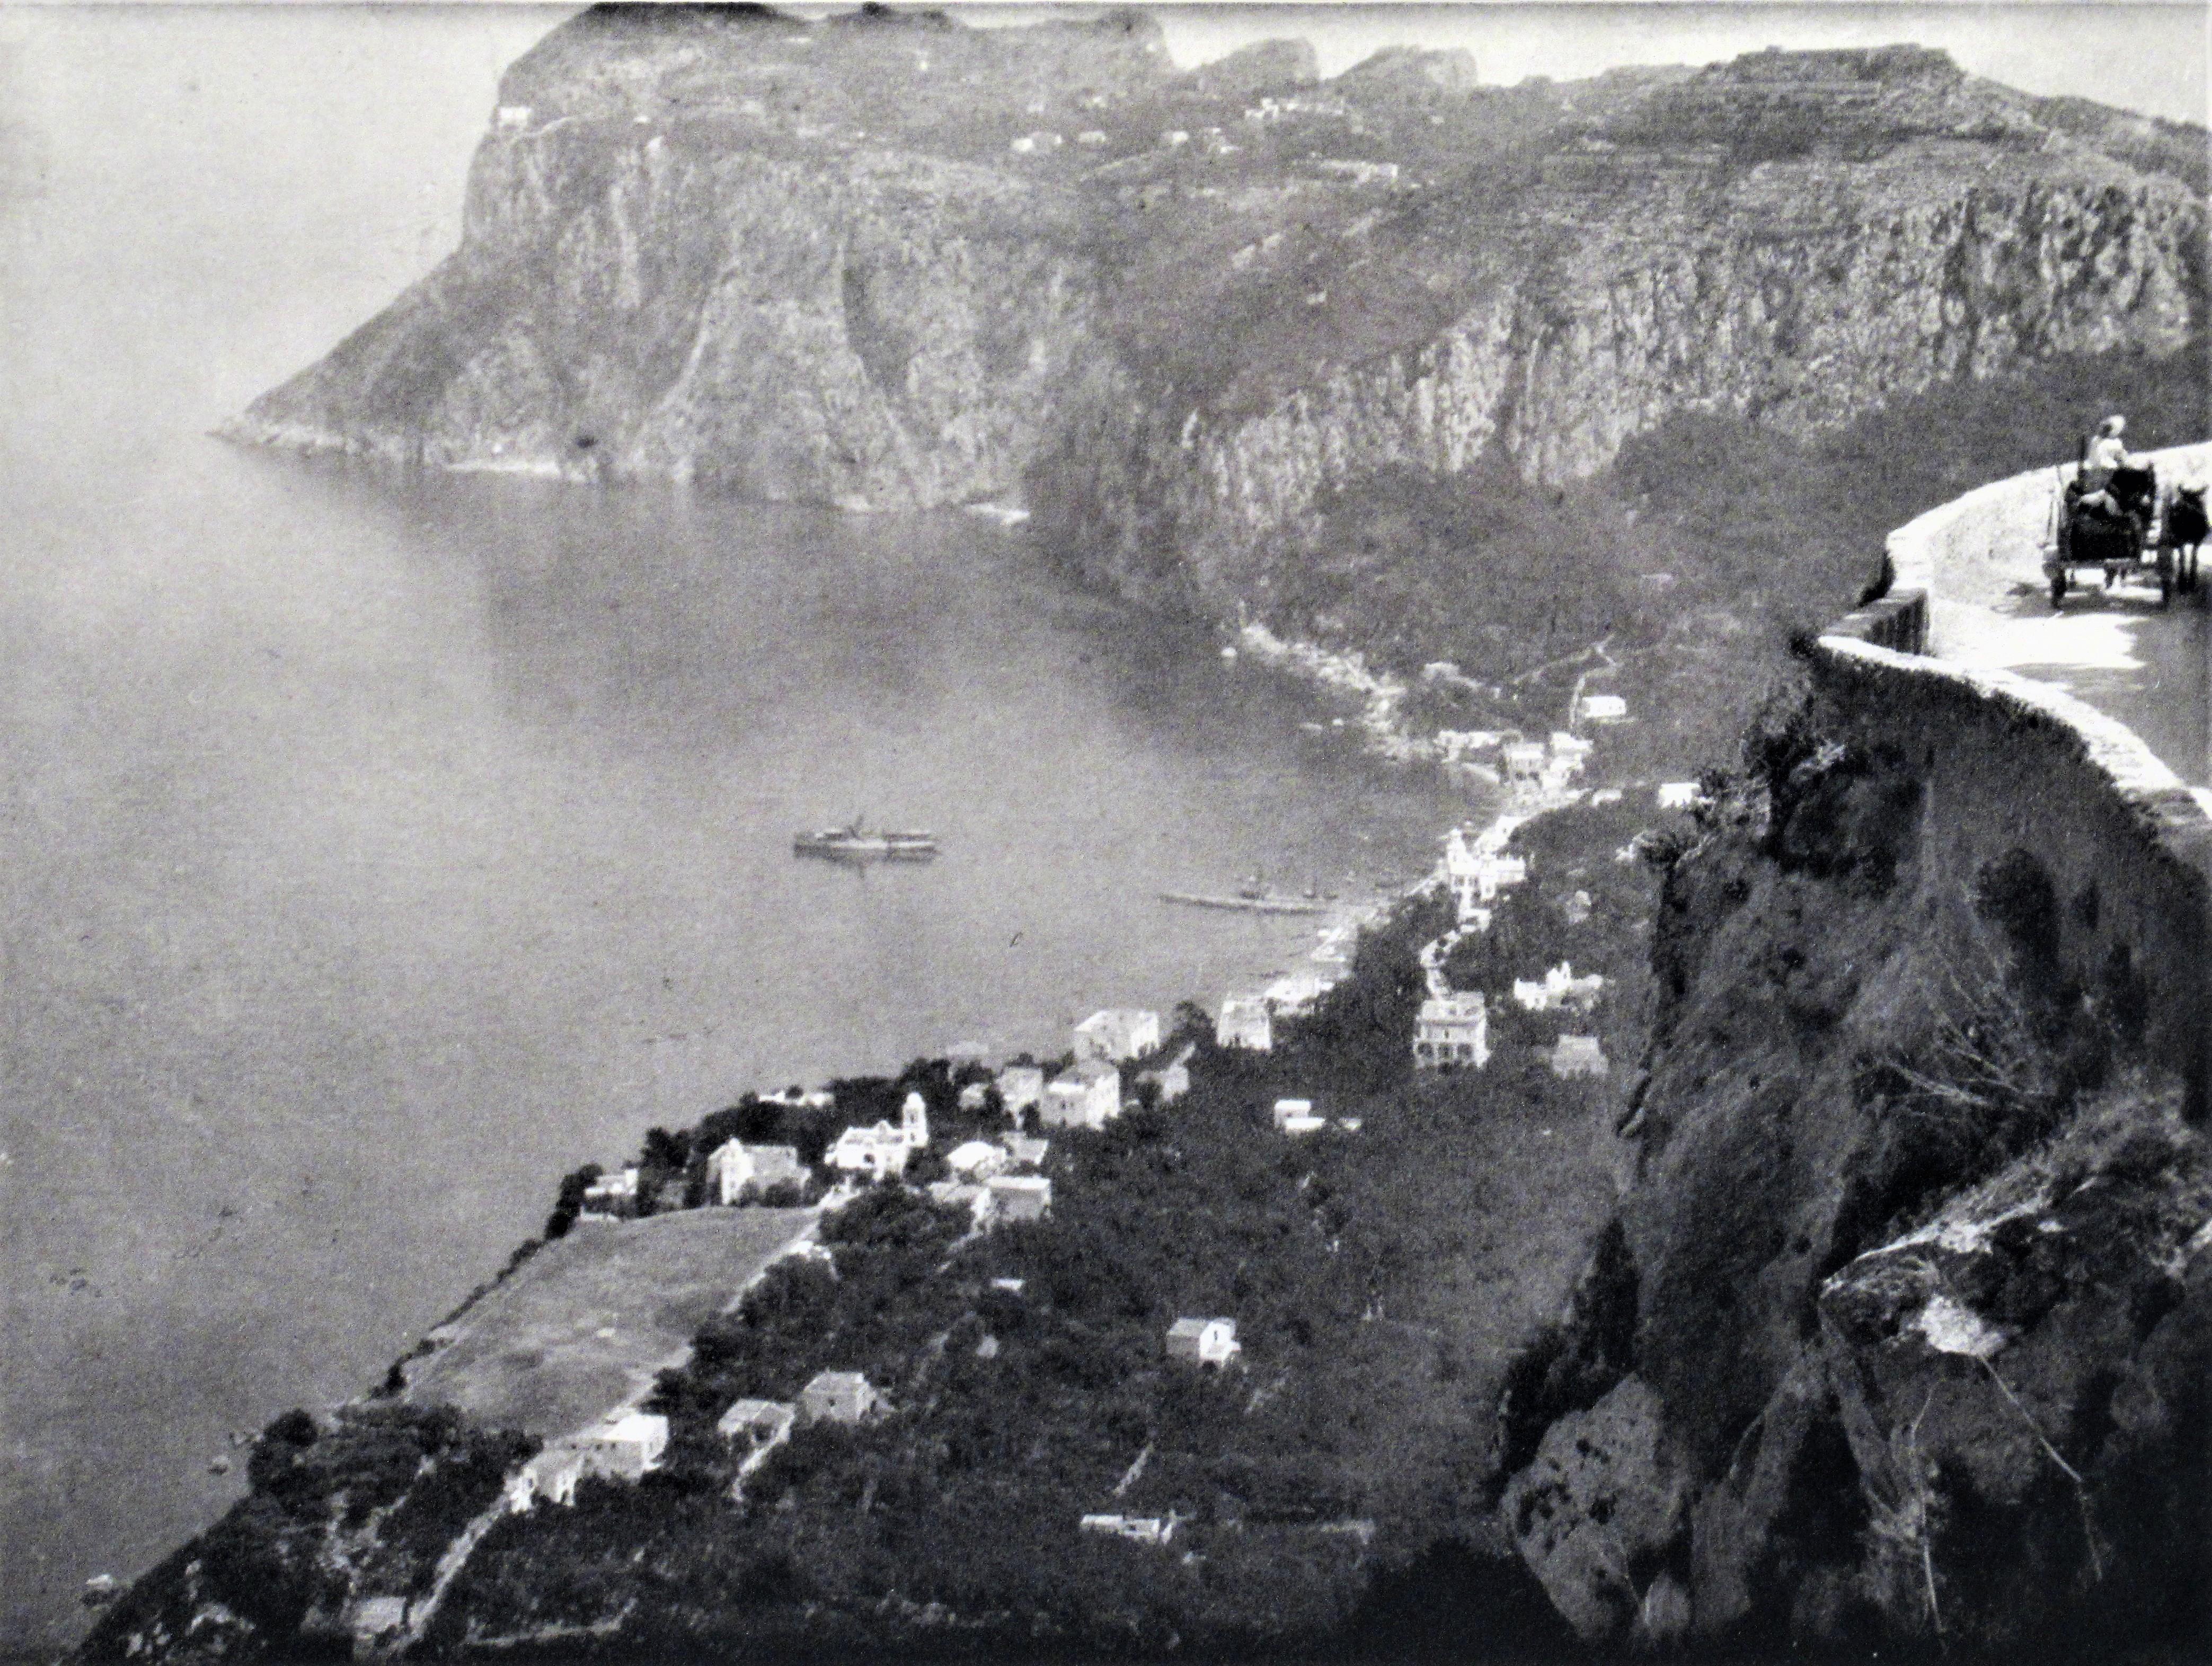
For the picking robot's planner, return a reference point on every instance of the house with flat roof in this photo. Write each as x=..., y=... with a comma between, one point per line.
x=976, y=1159
x=1452, y=1030
x=873, y=1153
x=839, y=1397
x=1020, y=1086
x=1088, y=1096
x=1245, y=1022
x=756, y=1423
x=1017, y=1197
x=733, y=1169
x=1117, y=1034
x=610, y=1197
x=1558, y=988
x=1026, y=1151
x=1578, y=1056
x=1140, y=1529
x=1204, y=1341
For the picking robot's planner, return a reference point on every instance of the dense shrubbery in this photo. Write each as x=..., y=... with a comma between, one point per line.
x=1012, y=1413
x=362, y=1507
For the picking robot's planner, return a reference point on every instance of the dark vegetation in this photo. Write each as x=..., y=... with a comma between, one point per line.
x=1348, y=1444
x=362, y=1503
x=1711, y=540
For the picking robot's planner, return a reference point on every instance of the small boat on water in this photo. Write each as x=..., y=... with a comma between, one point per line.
x=1249, y=902
x=855, y=843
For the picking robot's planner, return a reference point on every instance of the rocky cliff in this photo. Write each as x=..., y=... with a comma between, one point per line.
x=1903, y=1327
x=884, y=261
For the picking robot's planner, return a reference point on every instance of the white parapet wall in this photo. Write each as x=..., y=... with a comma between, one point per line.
x=2010, y=764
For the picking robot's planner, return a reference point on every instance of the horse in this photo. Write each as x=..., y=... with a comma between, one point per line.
x=2182, y=533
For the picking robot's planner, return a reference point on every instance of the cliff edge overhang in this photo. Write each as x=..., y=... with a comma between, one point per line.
x=1904, y=1328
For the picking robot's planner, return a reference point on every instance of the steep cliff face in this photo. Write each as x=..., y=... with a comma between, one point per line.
x=888, y=262
x=1901, y=1330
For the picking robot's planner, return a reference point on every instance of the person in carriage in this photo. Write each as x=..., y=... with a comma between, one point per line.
x=2112, y=485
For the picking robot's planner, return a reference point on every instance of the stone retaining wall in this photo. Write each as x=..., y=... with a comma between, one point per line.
x=2013, y=764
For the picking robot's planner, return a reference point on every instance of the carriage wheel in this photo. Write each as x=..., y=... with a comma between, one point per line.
x=2057, y=589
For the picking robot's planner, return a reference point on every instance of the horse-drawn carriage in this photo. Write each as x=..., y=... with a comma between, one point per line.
x=2129, y=529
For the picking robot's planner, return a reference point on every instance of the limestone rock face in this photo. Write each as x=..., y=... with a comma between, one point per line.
x=1596, y=1507
x=1906, y=1319
x=884, y=261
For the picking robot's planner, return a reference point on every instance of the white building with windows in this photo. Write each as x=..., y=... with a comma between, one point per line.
x=1558, y=987
x=1452, y=1032
x=734, y=1167
x=1088, y=1096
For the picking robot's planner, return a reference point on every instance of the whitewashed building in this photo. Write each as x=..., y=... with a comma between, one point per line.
x=734, y=1167
x=1558, y=987
x=1088, y=1096
x=1245, y=1022
x=611, y=1196
x=1578, y=1056
x=1677, y=794
x=1604, y=709
x=1017, y=1197
x=1117, y=1034
x=1452, y=1030
x=1140, y=1529
x=1204, y=1341
x=875, y=1152
x=839, y=1397
x=976, y=1159
x=1020, y=1086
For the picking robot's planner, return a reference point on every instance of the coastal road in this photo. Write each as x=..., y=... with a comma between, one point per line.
x=2119, y=651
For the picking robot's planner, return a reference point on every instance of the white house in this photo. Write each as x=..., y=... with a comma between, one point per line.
x=1524, y=761
x=976, y=1159
x=1032, y=144
x=1026, y=1151
x=551, y=1474
x=1566, y=746
x=1143, y=1530
x=756, y=1423
x=974, y=1096
x=1295, y=995
x=1578, y=1056
x=1298, y=1127
x=875, y=1152
x=1175, y=138
x=1172, y=1079
x=1204, y=1341
x=1604, y=709
x=1677, y=794
x=733, y=1167
x=839, y=1397
x=1091, y=138
x=1287, y=1108
x=1558, y=988
x=625, y=1445
x=1017, y=1197
x=1452, y=1029
x=1117, y=1034
x=1087, y=1097
x=1245, y=1022
x=511, y=117
x=1020, y=1086
x=610, y=1196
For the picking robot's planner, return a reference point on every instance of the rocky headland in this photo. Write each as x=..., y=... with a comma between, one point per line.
x=888, y=262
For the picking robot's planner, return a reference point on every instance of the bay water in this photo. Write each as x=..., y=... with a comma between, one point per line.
x=378, y=847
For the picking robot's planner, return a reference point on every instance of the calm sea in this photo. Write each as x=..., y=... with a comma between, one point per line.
x=378, y=848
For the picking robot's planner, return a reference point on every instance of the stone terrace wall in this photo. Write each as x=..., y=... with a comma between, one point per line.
x=2010, y=764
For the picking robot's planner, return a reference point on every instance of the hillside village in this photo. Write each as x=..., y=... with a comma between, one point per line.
x=1159, y=1287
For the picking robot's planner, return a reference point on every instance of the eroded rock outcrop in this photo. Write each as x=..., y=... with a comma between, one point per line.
x=1902, y=1328
x=884, y=261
